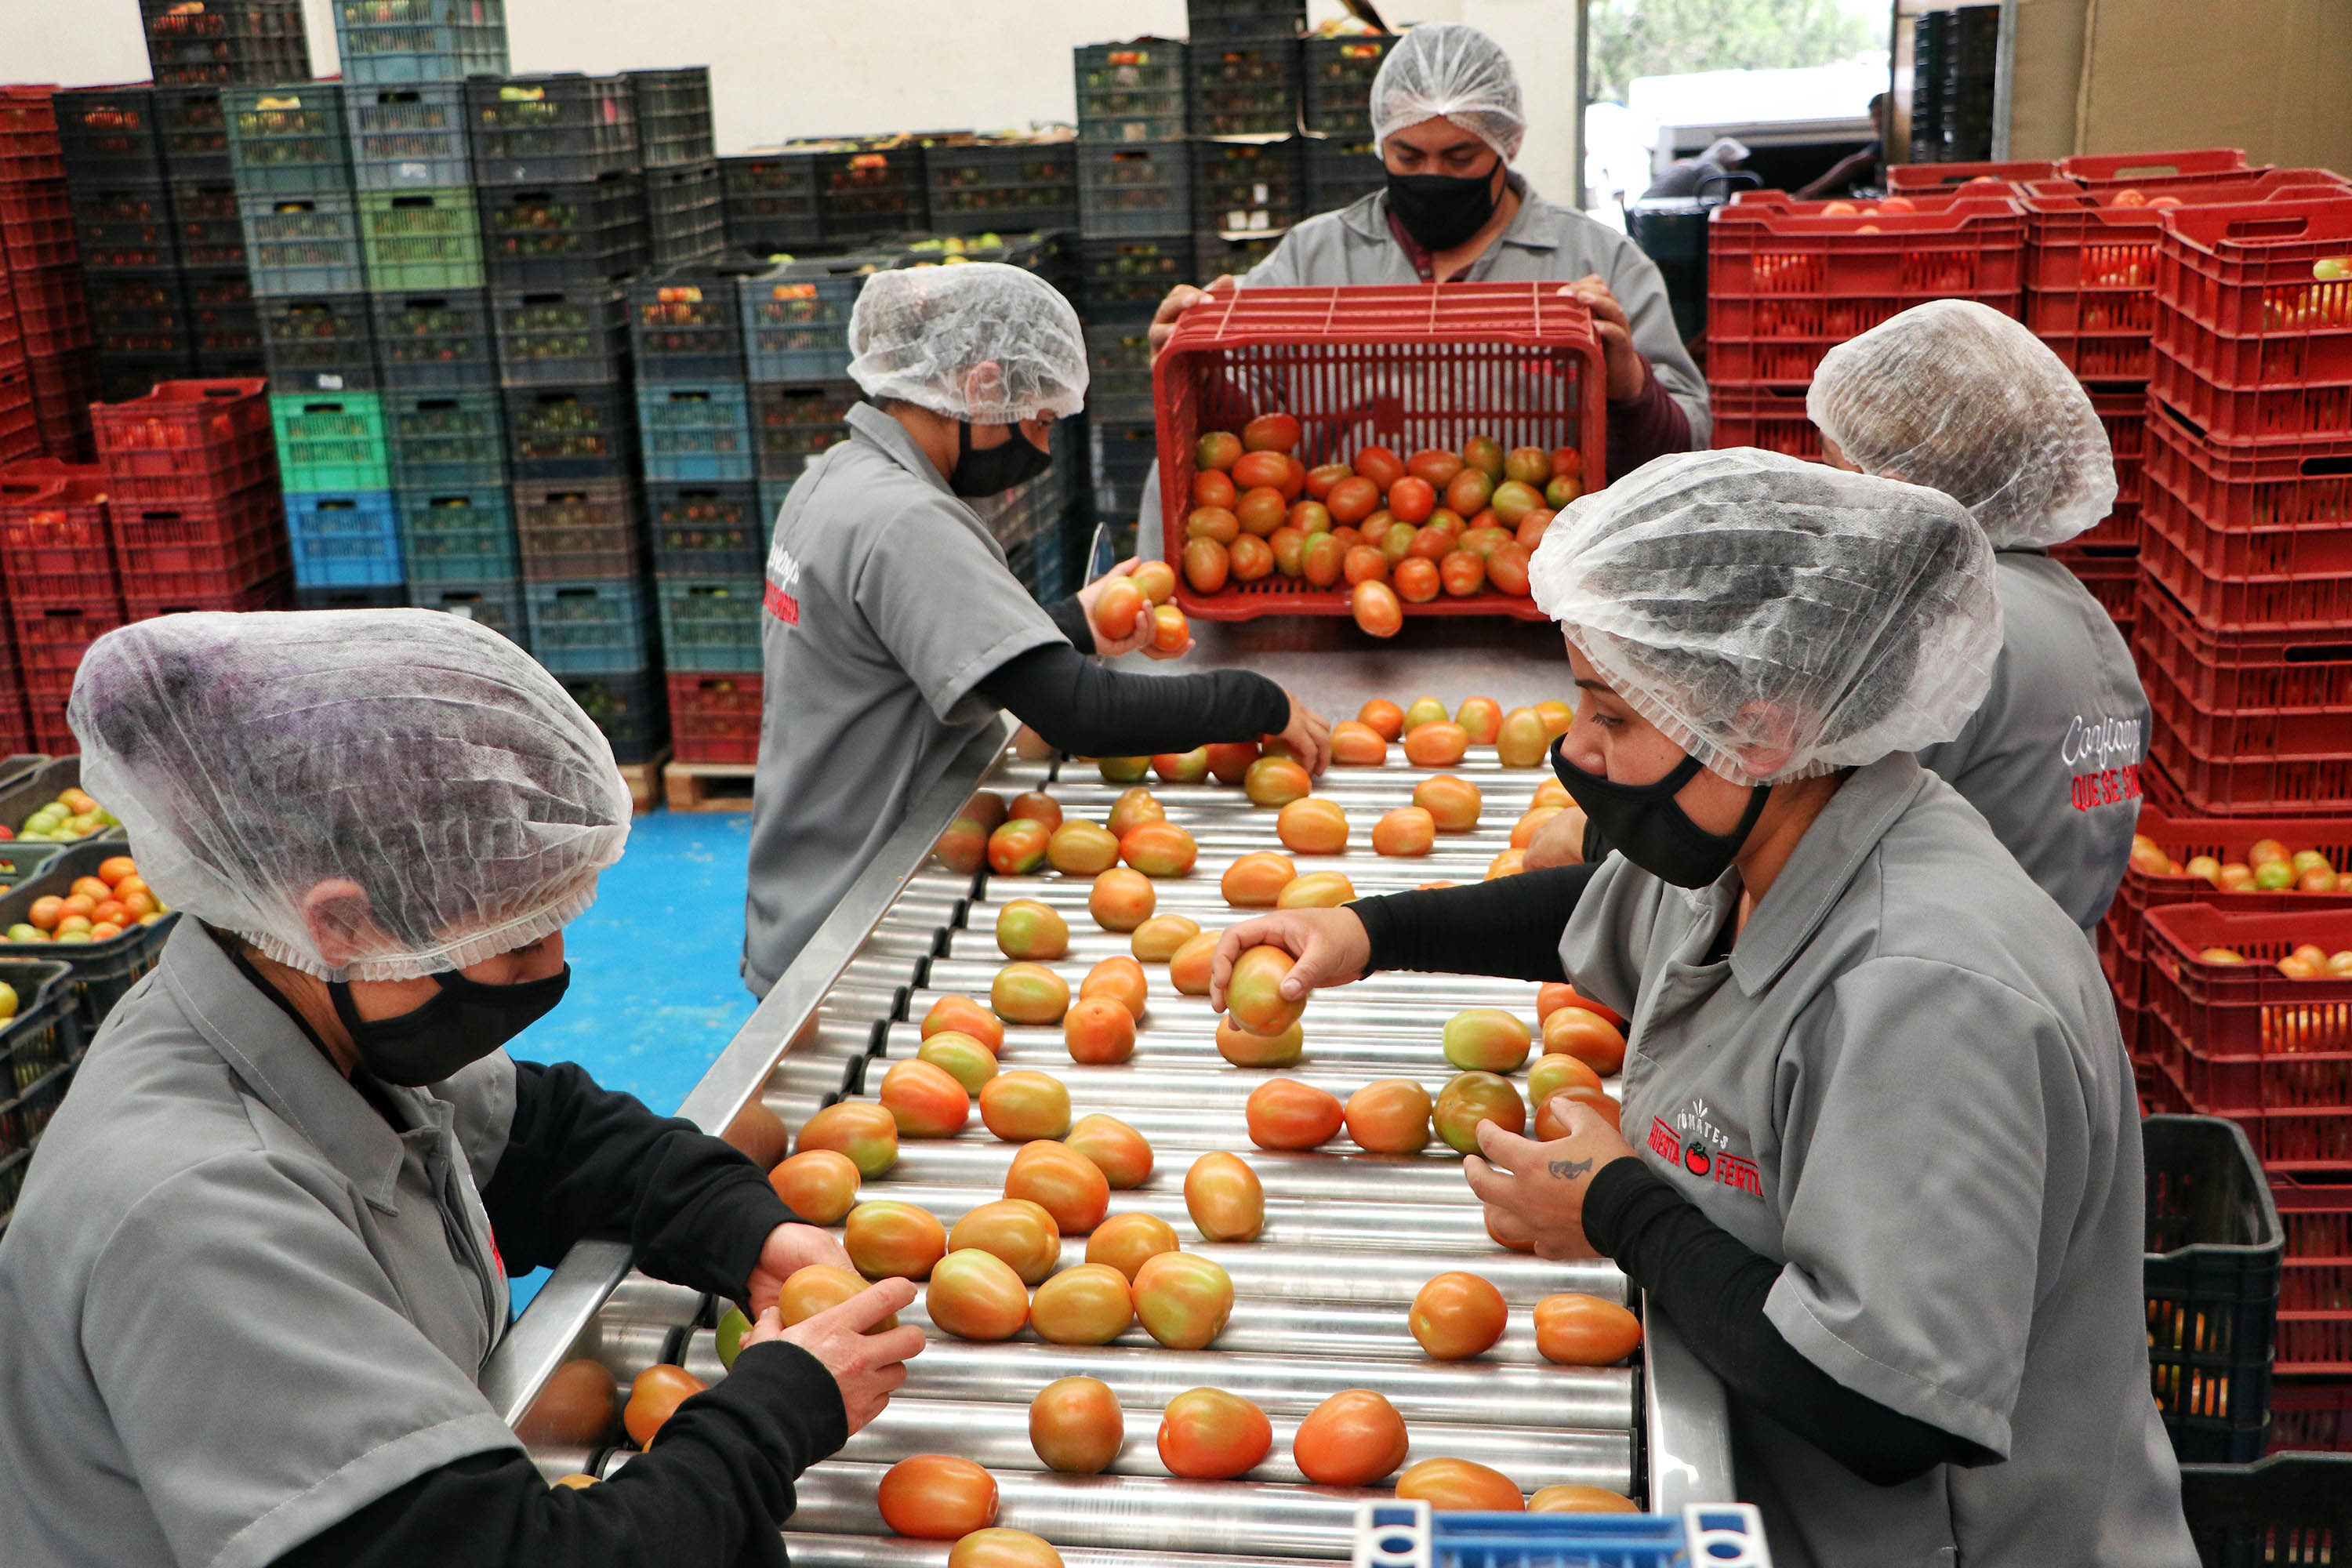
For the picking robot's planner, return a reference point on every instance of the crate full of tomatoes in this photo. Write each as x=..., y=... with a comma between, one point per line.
x=1386, y=452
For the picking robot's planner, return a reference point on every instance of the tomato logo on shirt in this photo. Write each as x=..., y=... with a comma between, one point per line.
x=783, y=576
x=1695, y=1143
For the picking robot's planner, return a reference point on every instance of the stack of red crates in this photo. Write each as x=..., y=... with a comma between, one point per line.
x=191, y=480
x=63, y=592
x=715, y=718
x=57, y=374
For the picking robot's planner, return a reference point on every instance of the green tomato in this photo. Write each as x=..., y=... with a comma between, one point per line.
x=2271, y=876
x=20, y=931
x=73, y=939
x=731, y=1329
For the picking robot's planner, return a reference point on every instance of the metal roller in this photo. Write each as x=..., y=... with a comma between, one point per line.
x=1427, y=1178
x=1310, y=1329
x=1333, y=1016
x=1213, y=1093
x=893, y=1552
x=1415, y=998
x=1178, y=1043
x=1428, y=1229
x=641, y=1299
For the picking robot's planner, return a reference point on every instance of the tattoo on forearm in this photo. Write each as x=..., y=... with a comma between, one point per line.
x=1571, y=1170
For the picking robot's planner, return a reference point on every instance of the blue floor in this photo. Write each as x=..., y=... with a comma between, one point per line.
x=655, y=995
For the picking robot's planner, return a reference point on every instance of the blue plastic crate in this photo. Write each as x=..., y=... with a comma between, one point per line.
x=1707, y=1535
x=421, y=40
x=347, y=539
x=695, y=431
x=497, y=604
x=710, y=624
x=587, y=627
x=458, y=535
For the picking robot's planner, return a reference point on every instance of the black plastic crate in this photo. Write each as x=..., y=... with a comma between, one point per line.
x=793, y=422
x=1248, y=187
x=497, y=604
x=571, y=433
x=208, y=223
x=1134, y=92
x=1245, y=19
x=290, y=140
x=428, y=341
x=576, y=336
x=1122, y=457
x=537, y=129
x=460, y=535
x=710, y=624
x=385, y=42
x=687, y=326
x=222, y=42
x=863, y=192
x=1002, y=187
x=1124, y=279
x=1342, y=170
x=1244, y=86
x=223, y=323
x=1336, y=82
x=102, y=971
x=630, y=706
x=445, y=440
x=408, y=136
x=324, y=342
x=42, y=1035
x=2286, y=1509
x=139, y=313
x=706, y=530
x=123, y=227
x=192, y=132
x=578, y=531
x=353, y=596
x=303, y=245
x=122, y=377
x=2212, y=1273
x=673, y=116
x=107, y=134
x=28, y=792
x=1135, y=188
x=771, y=203
x=1216, y=256
x=1118, y=371
x=685, y=214
x=553, y=235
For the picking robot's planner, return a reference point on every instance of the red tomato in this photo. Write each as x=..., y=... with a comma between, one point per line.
x=1310, y=517
x=1255, y=470
x=1430, y=543
x=1284, y=1113
x=1323, y=559
x=1585, y=1330
x=1457, y=1316
x=1411, y=500
x=1417, y=581
x=1351, y=1439
x=1271, y=433
x=1114, y=614
x=1451, y=1486
x=1507, y=568
x=1077, y=1426
x=1352, y=500
x=1208, y=1434
x=1230, y=760
x=1379, y=465
x=656, y=1395
x=1376, y=611
x=1587, y=1036
x=1364, y=564
x=1295, y=485
x=1567, y=463
x=1324, y=478
x=1207, y=564
x=1252, y=558
x=1261, y=511
x=1462, y=573
x=937, y=1497
x=1468, y=492
x=1555, y=994
x=1214, y=488
x=1434, y=465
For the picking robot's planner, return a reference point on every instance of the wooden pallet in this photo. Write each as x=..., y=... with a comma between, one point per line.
x=644, y=779
x=707, y=786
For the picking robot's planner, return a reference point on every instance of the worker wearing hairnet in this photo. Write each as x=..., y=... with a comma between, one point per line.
x=894, y=634
x=1445, y=110
x=1958, y=398
x=1880, y=1159
x=261, y=1257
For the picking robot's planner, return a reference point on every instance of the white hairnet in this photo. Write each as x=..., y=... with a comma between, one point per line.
x=1956, y=396
x=1777, y=618
x=916, y=334
x=1453, y=71
x=420, y=755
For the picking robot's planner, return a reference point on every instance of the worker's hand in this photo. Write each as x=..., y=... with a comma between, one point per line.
x=1558, y=842
x=1329, y=947
x=789, y=1249
x=1308, y=733
x=867, y=1368
x=1629, y=372
x=1108, y=646
x=1181, y=299
x=1534, y=1193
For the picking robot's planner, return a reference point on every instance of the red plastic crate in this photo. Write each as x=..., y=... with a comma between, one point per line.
x=50, y=640
x=2294, y=1144
x=52, y=313
x=1770, y=417
x=187, y=440
x=28, y=134
x=715, y=718
x=2284, y=673
x=273, y=593
x=2253, y=325
x=1972, y=249
x=2313, y=1416
x=2282, y=509
x=2173, y=542
x=200, y=550
x=2315, y=1310
x=2159, y=171
x=2251, y=1012
x=64, y=385
x=2112, y=578
x=54, y=548
x=1913, y=179
x=20, y=429
x=1404, y=367
x=2123, y=414
x=37, y=226
x=2255, y=786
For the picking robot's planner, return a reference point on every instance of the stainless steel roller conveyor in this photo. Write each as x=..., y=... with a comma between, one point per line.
x=1321, y=1297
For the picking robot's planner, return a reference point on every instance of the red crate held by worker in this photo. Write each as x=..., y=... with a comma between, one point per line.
x=2314, y=1308
x=2253, y=324
x=1998, y=178
x=187, y=440
x=1407, y=369
x=54, y=543
x=715, y=718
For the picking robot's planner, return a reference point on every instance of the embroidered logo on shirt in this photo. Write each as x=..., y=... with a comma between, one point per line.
x=2101, y=742
x=783, y=576
x=1695, y=1143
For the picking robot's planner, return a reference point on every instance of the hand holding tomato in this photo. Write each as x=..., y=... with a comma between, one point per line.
x=1534, y=1193
x=866, y=1367
x=1629, y=372
x=789, y=1249
x=1331, y=946
x=1309, y=734
x=1558, y=842
x=1140, y=637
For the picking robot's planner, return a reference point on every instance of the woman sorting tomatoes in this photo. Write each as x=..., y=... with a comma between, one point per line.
x=1880, y=1157
x=261, y=1257
x=894, y=632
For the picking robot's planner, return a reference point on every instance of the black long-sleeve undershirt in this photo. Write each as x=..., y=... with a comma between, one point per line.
x=1087, y=710
x=1509, y=926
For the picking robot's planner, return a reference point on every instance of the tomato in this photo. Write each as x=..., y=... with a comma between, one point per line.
x=90, y=887
x=1091, y=1304
x=654, y=1397
x=1224, y=1198
x=1018, y=847
x=1556, y=1072
x=1116, y=609
x=1214, y=488
x=1471, y=1097
x=1520, y=740
x=1553, y=995
x=1435, y=746
x=1457, y=1316
x=1585, y=1330
x=1118, y=979
x=1423, y=710
x=1245, y=1049
x=1124, y=1241
x=1309, y=518
x=1216, y=523
x=1589, y=1036
x=1376, y=610
x=1524, y=831
x=926, y=1101
x=1314, y=826
x=1325, y=477
x=1567, y=1497
x=1323, y=561
x=1468, y=492
x=1452, y=1486
x=1317, y=890
x=1550, y=1124
x=937, y=1497
x=1080, y=849
x=1122, y=900
x=1276, y=781
x=1429, y=545
x=1352, y=500
x=1407, y=830
x=1122, y=770
x=758, y=1132
x=1000, y=1547
x=1230, y=760
x=1351, y=1439
x=114, y=868
x=1029, y=994
x=575, y=1407
x=1023, y=1107
x=1481, y=718
x=1117, y=1150
x=1015, y=1231
x=1207, y=564
x=1381, y=466
x=1160, y=937
x=1260, y=511
x=1383, y=718
x=975, y=1295
x=1485, y=1040
x=1217, y=449
x=1563, y=490
x=1183, y=1299
x=962, y=1015
x=1208, y=1434
x=1528, y=465
x=1261, y=471
x=819, y=1186
x=1179, y=767
x=1435, y=465
x=1417, y=583
x=1514, y=501
x=865, y=1132
x=1189, y=970
x=1252, y=881
x=1271, y=433
x=1064, y=1183
x=820, y=1287
x=1362, y=564
x=1076, y=1423
x=1453, y=804
x=887, y=1238
x=1396, y=543
x=1390, y=1116
x=1358, y=745
x=1098, y=1031
x=1028, y=929
x=1132, y=809
x=1254, y=994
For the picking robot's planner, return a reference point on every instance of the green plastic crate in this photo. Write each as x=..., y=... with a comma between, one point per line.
x=331, y=441
x=710, y=624
x=421, y=239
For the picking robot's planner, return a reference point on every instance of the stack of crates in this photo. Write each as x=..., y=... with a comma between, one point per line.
x=1954, y=53
x=1341, y=160
x=771, y=203
x=1003, y=186
x=685, y=194
x=224, y=43
x=386, y=43
x=48, y=371
x=62, y=590
x=223, y=326
x=127, y=241
x=829, y=194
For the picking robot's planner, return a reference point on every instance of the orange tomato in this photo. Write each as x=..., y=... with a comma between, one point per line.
x=1452, y=1486
x=1091, y=1304
x=1215, y=522
x=1453, y=802
x=1407, y=830
x=1555, y=994
x=1507, y=568
x=91, y=887
x=1390, y=1116
x=1586, y=1036
x=1253, y=880
x=1351, y=1439
x=113, y=869
x=1437, y=745
x=1023, y=1107
x=1160, y=937
x=1358, y=745
x=1363, y=564
x=1245, y=1049
x=1213, y=487
x=1064, y=1183
x=1076, y=1423
x=865, y=1132
x=1471, y=1098
x=889, y=1239
x=1208, y=1434
x=1567, y=1497
x=820, y=1287
x=1183, y=1299
x=924, y=1101
x=1207, y=564
x=1585, y=1330
x=1125, y=1241
x=1558, y=1072
x=1224, y=1198
x=1462, y=572
x=1188, y=970
x=999, y=1548
x=1159, y=849
x=819, y=1186
x=937, y=1497
x=1252, y=557
x=1260, y=511
x=1099, y=1031
x=1019, y=1233
x=1254, y=992
x=1524, y=831
x=1376, y=609
x=1122, y=899
x=1284, y=1113
x=962, y=1015
x=76, y=904
x=1155, y=580
x=1271, y=433
x=1549, y=1124
x=1229, y=760
x=1029, y=994
x=110, y=911
x=654, y=1397
x=1081, y=849
x=1118, y=1150
x=975, y=1295
x=46, y=912
x=1273, y=780
x=1457, y=1316
x=1117, y=979
x=1312, y=825
x=1316, y=891
x=1018, y=847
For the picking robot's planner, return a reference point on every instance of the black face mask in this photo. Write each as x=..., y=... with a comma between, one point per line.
x=1441, y=211
x=997, y=469
x=465, y=1023
x=1642, y=823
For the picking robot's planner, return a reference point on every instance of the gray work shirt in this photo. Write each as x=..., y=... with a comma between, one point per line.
x=2052, y=757
x=887, y=603
x=1905, y=1086
x=235, y=1306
